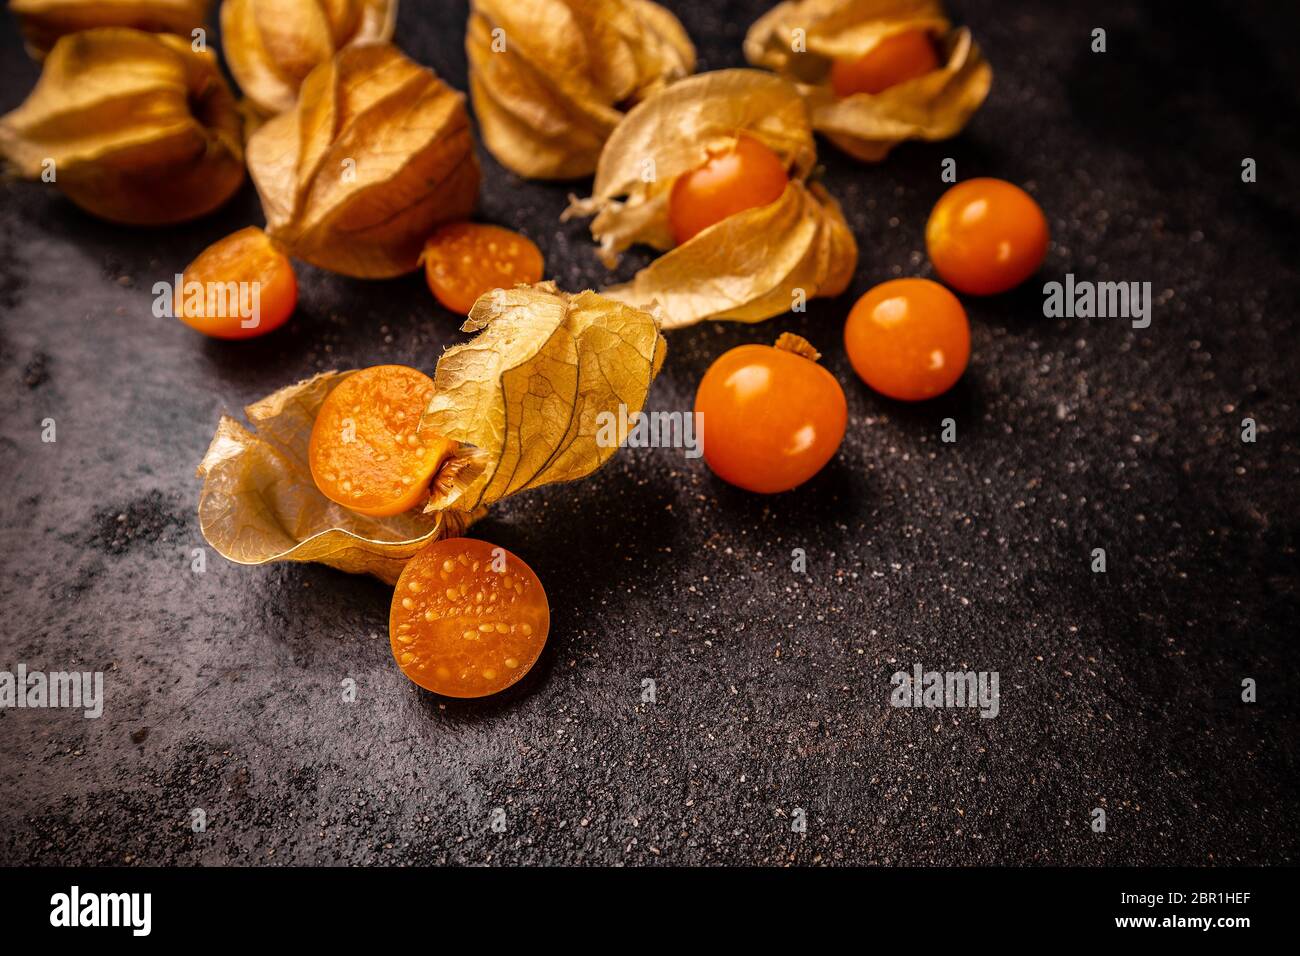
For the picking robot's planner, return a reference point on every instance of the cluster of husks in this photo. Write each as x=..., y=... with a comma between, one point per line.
x=365, y=155
x=756, y=263
x=360, y=154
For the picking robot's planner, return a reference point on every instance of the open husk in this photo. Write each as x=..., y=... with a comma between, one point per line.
x=271, y=45
x=525, y=398
x=801, y=38
x=749, y=267
x=134, y=127
x=550, y=78
x=376, y=153
x=44, y=21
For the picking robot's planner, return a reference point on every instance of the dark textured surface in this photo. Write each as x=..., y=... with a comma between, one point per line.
x=1118, y=690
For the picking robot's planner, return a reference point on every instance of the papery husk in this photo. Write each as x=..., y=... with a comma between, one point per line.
x=259, y=503
x=747, y=267
x=142, y=129
x=547, y=102
x=44, y=21
x=271, y=45
x=523, y=395
x=529, y=389
x=403, y=135
x=867, y=126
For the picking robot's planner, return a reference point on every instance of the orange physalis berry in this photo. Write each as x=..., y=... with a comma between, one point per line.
x=894, y=60
x=745, y=176
x=908, y=339
x=771, y=416
x=986, y=236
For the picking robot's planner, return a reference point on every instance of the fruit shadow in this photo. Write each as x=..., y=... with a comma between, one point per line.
x=577, y=538
x=824, y=503
x=336, y=609
x=964, y=403
x=142, y=254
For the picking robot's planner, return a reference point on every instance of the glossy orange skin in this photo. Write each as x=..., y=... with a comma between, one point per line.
x=465, y=260
x=386, y=466
x=247, y=256
x=468, y=619
x=908, y=339
x=894, y=60
x=986, y=236
x=746, y=176
x=771, y=419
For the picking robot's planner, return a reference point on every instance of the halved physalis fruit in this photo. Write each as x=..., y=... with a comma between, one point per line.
x=895, y=59
x=468, y=618
x=464, y=260
x=367, y=451
x=239, y=287
x=745, y=176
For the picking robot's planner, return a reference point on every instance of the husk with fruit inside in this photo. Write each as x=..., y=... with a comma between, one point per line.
x=376, y=153
x=524, y=397
x=135, y=127
x=44, y=21
x=271, y=45
x=550, y=78
x=750, y=266
x=800, y=39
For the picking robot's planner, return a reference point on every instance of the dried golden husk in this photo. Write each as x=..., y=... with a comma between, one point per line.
x=750, y=266
x=525, y=396
x=376, y=153
x=548, y=100
x=931, y=107
x=44, y=21
x=271, y=45
x=139, y=127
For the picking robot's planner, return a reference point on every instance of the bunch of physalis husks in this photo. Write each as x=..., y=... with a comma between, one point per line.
x=525, y=403
x=367, y=152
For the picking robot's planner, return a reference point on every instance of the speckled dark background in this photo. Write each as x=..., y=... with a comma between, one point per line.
x=1118, y=690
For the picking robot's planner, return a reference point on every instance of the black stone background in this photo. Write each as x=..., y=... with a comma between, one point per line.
x=1118, y=691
